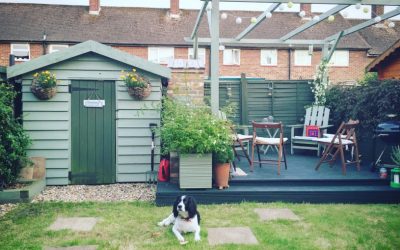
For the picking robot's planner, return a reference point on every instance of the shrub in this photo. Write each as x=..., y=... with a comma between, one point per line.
x=369, y=103
x=13, y=139
x=193, y=129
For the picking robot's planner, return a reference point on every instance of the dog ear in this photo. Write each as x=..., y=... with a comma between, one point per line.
x=192, y=207
x=175, y=207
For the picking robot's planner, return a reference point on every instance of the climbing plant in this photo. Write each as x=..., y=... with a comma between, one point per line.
x=320, y=83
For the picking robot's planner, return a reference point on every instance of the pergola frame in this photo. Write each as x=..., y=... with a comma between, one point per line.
x=328, y=44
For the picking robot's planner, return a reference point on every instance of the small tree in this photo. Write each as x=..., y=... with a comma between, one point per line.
x=320, y=83
x=13, y=139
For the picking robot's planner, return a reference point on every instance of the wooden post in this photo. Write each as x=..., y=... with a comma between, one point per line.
x=215, y=57
x=244, y=114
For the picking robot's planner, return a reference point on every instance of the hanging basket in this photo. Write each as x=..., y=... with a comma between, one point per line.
x=140, y=93
x=43, y=93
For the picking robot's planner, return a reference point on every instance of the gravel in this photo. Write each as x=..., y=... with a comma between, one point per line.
x=102, y=193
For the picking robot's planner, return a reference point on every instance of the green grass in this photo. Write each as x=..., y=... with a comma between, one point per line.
x=132, y=225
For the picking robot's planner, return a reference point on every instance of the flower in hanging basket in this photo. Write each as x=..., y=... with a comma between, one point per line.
x=44, y=85
x=138, y=86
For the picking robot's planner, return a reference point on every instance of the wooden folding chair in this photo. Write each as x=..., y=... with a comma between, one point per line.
x=239, y=140
x=278, y=142
x=345, y=137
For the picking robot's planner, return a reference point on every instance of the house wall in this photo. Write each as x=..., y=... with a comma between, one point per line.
x=390, y=68
x=249, y=63
x=48, y=123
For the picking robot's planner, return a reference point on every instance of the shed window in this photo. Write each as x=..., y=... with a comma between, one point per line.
x=269, y=57
x=302, y=58
x=232, y=57
x=161, y=55
x=20, y=51
x=201, y=54
x=57, y=47
x=340, y=58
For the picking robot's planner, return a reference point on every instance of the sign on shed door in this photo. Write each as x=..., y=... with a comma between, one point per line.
x=93, y=132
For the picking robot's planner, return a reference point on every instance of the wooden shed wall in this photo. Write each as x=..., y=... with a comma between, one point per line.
x=49, y=122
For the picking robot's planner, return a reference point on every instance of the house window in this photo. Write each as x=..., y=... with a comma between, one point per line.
x=20, y=51
x=302, y=58
x=201, y=54
x=57, y=47
x=232, y=57
x=269, y=57
x=161, y=55
x=340, y=58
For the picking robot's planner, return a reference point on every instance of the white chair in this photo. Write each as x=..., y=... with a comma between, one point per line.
x=316, y=116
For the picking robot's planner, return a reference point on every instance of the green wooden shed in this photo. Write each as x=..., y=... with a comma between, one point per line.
x=86, y=145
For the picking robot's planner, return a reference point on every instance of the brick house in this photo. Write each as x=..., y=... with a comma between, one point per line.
x=30, y=30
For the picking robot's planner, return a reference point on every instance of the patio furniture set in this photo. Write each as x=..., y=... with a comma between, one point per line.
x=269, y=135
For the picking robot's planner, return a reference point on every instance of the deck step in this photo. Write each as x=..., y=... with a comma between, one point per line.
x=259, y=192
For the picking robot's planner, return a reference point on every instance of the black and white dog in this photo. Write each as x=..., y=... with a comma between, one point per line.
x=185, y=218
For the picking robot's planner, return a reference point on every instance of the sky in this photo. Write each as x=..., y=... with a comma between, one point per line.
x=351, y=11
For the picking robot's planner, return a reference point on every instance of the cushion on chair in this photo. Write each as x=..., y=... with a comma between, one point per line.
x=328, y=140
x=303, y=138
x=244, y=137
x=269, y=141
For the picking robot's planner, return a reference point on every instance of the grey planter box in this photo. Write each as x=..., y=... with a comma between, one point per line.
x=195, y=171
x=24, y=194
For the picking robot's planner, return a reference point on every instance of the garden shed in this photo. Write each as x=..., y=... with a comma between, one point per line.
x=83, y=144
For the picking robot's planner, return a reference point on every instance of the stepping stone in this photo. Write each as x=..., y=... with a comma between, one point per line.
x=231, y=235
x=91, y=247
x=74, y=223
x=276, y=214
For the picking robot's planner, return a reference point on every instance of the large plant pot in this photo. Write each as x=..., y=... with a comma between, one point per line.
x=39, y=167
x=195, y=171
x=221, y=173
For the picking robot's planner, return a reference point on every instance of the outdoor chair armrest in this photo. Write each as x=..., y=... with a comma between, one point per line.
x=327, y=126
x=296, y=126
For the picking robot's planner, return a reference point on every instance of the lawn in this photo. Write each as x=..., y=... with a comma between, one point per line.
x=132, y=225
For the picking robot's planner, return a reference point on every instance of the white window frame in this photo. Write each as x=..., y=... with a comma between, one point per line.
x=201, y=54
x=52, y=49
x=302, y=58
x=21, y=59
x=337, y=56
x=154, y=54
x=273, y=53
x=233, y=52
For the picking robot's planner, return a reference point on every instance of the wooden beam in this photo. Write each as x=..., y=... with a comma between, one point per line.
x=215, y=57
x=311, y=23
x=334, y=45
x=366, y=24
x=231, y=41
x=199, y=17
x=364, y=2
x=195, y=48
x=260, y=18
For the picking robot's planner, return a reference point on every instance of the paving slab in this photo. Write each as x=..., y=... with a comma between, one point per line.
x=74, y=223
x=231, y=235
x=90, y=247
x=276, y=214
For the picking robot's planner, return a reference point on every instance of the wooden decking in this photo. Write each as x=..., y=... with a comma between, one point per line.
x=299, y=183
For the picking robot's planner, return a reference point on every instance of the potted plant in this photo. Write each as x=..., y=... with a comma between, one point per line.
x=138, y=86
x=395, y=172
x=194, y=133
x=44, y=85
x=222, y=164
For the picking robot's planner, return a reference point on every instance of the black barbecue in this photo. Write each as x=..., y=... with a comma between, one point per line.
x=389, y=133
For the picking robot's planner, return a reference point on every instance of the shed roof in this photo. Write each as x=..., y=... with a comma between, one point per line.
x=85, y=47
x=392, y=49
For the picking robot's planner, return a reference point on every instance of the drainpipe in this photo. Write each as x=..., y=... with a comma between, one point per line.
x=289, y=64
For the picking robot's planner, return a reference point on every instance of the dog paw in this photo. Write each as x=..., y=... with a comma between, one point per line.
x=183, y=242
x=161, y=224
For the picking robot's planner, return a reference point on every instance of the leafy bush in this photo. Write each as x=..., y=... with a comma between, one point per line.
x=193, y=130
x=396, y=155
x=13, y=139
x=370, y=103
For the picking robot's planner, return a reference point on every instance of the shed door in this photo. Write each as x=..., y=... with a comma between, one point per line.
x=93, y=133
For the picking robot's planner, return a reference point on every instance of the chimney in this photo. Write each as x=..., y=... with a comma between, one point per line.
x=94, y=7
x=174, y=11
x=377, y=10
x=306, y=7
